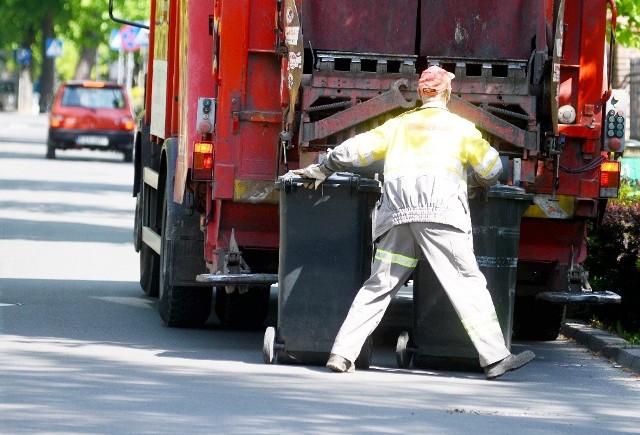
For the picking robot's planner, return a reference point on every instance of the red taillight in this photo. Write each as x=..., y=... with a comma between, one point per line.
x=203, y=156
x=609, y=179
x=55, y=121
x=128, y=123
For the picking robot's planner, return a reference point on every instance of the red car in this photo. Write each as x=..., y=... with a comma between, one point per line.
x=91, y=115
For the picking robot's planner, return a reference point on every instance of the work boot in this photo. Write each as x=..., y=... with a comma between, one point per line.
x=508, y=364
x=340, y=365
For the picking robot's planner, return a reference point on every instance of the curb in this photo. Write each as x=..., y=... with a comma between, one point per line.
x=609, y=345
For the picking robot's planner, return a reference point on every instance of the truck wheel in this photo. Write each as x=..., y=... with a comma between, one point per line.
x=243, y=311
x=149, y=265
x=149, y=260
x=179, y=306
x=537, y=320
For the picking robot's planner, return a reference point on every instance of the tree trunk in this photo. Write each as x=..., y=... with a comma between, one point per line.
x=85, y=63
x=47, y=77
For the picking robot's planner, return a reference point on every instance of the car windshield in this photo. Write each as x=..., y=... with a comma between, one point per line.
x=93, y=98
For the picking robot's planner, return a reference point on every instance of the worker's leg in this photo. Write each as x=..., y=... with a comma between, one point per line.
x=450, y=253
x=395, y=258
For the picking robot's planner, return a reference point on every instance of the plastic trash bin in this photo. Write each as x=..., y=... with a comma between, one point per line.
x=325, y=257
x=438, y=339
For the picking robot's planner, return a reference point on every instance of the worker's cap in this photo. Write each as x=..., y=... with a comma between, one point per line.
x=435, y=80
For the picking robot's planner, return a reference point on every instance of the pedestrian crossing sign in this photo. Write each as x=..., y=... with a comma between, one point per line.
x=53, y=47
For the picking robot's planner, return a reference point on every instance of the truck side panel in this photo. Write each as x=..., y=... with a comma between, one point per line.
x=195, y=57
x=249, y=118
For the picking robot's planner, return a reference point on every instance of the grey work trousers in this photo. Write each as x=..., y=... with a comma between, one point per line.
x=450, y=253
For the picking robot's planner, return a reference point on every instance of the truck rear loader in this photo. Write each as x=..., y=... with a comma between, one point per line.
x=239, y=92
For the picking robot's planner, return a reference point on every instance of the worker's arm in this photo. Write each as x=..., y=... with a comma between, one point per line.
x=484, y=159
x=361, y=150
x=358, y=151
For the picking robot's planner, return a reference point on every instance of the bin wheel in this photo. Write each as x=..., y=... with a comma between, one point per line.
x=403, y=353
x=269, y=345
x=363, y=362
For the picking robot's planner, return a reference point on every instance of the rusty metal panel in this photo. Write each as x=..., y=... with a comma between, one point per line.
x=486, y=29
x=367, y=26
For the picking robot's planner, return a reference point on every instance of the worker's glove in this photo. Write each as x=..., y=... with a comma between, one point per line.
x=476, y=186
x=317, y=172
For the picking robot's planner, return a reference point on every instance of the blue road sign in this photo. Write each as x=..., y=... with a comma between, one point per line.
x=22, y=56
x=53, y=47
x=115, y=40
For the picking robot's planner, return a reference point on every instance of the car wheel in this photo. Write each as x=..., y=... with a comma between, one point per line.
x=128, y=156
x=51, y=152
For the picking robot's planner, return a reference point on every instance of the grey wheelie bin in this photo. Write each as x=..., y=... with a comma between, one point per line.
x=438, y=339
x=325, y=257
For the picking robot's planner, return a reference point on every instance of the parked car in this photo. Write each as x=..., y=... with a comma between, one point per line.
x=8, y=95
x=91, y=115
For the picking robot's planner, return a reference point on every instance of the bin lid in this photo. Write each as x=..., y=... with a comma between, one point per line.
x=509, y=192
x=337, y=179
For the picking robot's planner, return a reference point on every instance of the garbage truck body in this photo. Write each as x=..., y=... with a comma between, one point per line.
x=239, y=92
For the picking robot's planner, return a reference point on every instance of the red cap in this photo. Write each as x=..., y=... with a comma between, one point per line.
x=435, y=80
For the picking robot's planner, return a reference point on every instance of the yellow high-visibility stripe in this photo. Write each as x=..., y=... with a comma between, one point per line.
x=482, y=324
x=390, y=257
x=483, y=171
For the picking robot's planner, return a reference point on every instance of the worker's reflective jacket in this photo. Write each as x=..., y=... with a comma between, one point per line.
x=425, y=152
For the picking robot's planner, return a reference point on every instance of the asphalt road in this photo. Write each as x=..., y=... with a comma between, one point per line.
x=82, y=350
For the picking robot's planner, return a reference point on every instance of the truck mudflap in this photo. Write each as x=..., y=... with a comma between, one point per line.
x=250, y=279
x=573, y=298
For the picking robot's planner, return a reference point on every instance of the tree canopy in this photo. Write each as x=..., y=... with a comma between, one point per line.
x=628, y=24
x=84, y=27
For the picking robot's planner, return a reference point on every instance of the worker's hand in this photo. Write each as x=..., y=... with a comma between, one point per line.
x=316, y=172
x=475, y=189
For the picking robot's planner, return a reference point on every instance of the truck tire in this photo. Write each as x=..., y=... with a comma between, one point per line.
x=149, y=265
x=243, y=311
x=180, y=305
x=149, y=260
x=537, y=320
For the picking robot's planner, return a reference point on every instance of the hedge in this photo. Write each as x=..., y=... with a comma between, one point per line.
x=613, y=262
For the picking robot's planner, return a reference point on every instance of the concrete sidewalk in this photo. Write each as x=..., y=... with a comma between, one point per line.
x=609, y=345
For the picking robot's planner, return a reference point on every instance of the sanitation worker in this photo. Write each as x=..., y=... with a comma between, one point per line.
x=424, y=208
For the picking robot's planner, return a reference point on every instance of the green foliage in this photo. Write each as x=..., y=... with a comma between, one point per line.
x=633, y=338
x=614, y=263
x=628, y=23
x=79, y=24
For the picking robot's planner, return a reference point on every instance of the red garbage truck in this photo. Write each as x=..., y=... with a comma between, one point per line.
x=239, y=92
